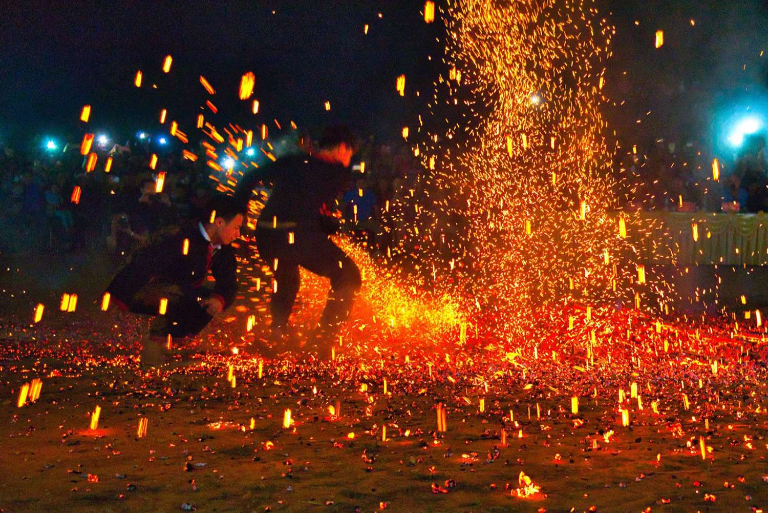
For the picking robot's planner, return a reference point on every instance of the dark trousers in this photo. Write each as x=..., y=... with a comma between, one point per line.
x=184, y=316
x=315, y=252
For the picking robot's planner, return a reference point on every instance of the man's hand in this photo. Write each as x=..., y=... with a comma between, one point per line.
x=212, y=305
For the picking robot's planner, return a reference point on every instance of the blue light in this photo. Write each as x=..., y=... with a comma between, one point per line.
x=745, y=127
x=142, y=135
x=250, y=152
x=102, y=140
x=163, y=140
x=229, y=163
x=51, y=145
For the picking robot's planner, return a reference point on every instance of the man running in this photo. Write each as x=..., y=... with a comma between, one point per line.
x=293, y=228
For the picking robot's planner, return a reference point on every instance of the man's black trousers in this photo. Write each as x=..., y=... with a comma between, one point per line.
x=315, y=252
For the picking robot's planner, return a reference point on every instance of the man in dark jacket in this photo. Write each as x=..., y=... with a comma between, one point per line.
x=166, y=278
x=294, y=227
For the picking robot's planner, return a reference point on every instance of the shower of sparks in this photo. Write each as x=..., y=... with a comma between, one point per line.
x=515, y=209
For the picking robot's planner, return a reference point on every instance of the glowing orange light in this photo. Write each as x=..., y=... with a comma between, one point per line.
x=137, y=80
x=255, y=106
x=108, y=165
x=287, y=419
x=208, y=87
x=75, y=198
x=141, y=432
x=160, y=182
x=167, y=64
x=85, y=146
x=85, y=114
x=163, y=306
x=95, y=417
x=247, y=82
x=400, y=85
x=90, y=164
x=429, y=11
x=39, y=312
x=105, y=301
x=715, y=170
x=659, y=38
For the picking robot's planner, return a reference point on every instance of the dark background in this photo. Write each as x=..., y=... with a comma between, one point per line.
x=56, y=56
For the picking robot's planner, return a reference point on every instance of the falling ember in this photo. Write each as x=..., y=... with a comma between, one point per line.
x=429, y=11
x=659, y=38
x=213, y=217
x=442, y=426
x=640, y=274
x=716, y=170
x=527, y=488
x=153, y=161
x=163, y=115
x=287, y=419
x=327, y=105
x=141, y=432
x=383, y=433
x=137, y=80
x=163, y=306
x=625, y=418
x=23, y=393
x=105, y=301
x=758, y=318
x=39, y=312
x=185, y=247
x=36, y=385
x=167, y=64
x=72, y=303
x=247, y=82
x=255, y=106
x=406, y=132
x=695, y=230
x=85, y=114
x=75, y=198
x=90, y=164
x=95, y=417
x=400, y=85
x=108, y=165
x=575, y=405
x=200, y=120
x=207, y=85
x=160, y=182
x=702, y=448
x=85, y=146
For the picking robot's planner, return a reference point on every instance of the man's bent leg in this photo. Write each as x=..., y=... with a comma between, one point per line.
x=327, y=259
x=287, y=280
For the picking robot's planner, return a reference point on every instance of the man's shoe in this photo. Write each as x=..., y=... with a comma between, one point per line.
x=154, y=354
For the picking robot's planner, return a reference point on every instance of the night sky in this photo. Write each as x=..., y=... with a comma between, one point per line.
x=56, y=56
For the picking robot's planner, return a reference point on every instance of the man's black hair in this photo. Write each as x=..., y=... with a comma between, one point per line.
x=336, y=135
x=225, y=206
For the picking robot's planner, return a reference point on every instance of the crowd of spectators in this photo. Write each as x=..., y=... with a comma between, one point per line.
x=667, y=176
x=49, y=202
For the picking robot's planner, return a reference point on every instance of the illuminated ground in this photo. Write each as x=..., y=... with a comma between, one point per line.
x=200, y=450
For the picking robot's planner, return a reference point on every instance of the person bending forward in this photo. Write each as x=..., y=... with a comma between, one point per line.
x=174, y=269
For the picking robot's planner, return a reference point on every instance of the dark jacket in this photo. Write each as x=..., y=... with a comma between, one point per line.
x=302, y=188
x=165, y=262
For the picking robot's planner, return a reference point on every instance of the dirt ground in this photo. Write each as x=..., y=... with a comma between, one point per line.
x=695, y=440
